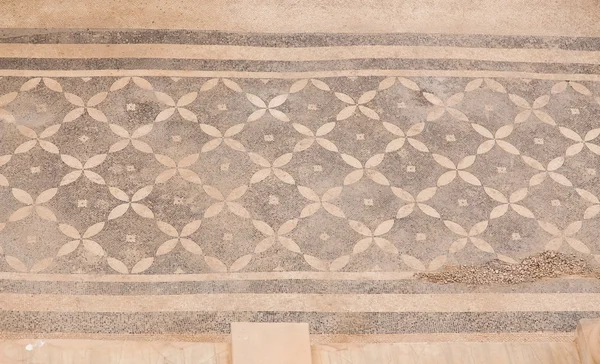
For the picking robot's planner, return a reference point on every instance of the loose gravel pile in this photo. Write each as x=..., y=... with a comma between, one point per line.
x=549, y=264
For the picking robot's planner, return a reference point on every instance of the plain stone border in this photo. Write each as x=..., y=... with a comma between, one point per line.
x=588, y=341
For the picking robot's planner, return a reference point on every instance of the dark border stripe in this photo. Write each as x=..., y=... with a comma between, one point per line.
x=289, y=286
x=166, y=36
x=190, y=323
x=284, y=66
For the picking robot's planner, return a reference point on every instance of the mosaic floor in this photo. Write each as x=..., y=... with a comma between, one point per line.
x=169, y=182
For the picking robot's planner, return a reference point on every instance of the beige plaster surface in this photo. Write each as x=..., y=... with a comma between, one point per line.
x=509, y=17
x=270, y=343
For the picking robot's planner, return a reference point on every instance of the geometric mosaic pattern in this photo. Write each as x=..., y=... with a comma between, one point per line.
x=168, y=175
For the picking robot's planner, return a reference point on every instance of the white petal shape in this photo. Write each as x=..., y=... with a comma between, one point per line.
x=594, y=148
x=482, y=130
x=93, y=247
x=141, y=131
x=458, y=245
x=386, y=245
x=522, y=116
x=263, y=227
x=316, y=263
x=339, y=263
x=44, y=196
x=94, y=161
x=191, y=246
x=120, y=145
x=362, y=245
x=191, y=228
x=97, y=115
x=446, y=178
x=255, y=158
x=436, y=113
x=310, y=209
x=560, y=179
x=351, y=161
x=15, y=263
x=549, y=228
x=284, y=176
x=345, y=98
x=187, y=114
x=167, y=229
x=289, y=244
x=518, y=195
x=142, y=265
x=298, y=86
x=234, y=130
x=93, y=177
x=332, y=193
x=282, y=160
x=237, y=193
x=383, y=228
x=211, y=145
x=167, y=247
x=30, y=84
x=504, y=131
x=279, y=115
x=260, y=175
x=508, y=147
x=588, y=196
x=214, y=209
x=118, y=194
x=334, y=210
x=433, y=99
x=478, y=228
x=519, y=101
x=559, y=87
x=119, y=84
x=25, y=147
x=533, y=163
x=482, y=245
x=141, y=146
x=592, y=134
x=554, y=244
x=96, y=99
x=409, y=84
x=3, y=181
x=141, y=194
x=277, y=101
x=215, y=264
x=308, y=193
x=506, y=259
x=578, y=245
x=443, y=161
x=142, y=210
x=303, y=129
x=71, y=161
x=403, y=194
x=495, y=195
x=386, y=83
x=346, y=112
x=457, y=114
x=495, y=85
x=418, y=145
x=264, y=245
x=93, y=230
x=455, y=99
x=68, y=248
x=165, y=176
x=69, y=231
x=570, y=134
x=394, y=129
x=428, y=210
x=366, y=97
x=49, y=131
x=235, y=145
x=498, y=211
x=473, y=85
x=188, y=160
x=580, y=88
x=49, y=147
x=232, y=85
x=164, y=115
x=374, y=161
x=325, y=128
x=368, y=112
x=21, y=213
x=469, y=178
x=119, y=130
x=164, y=98
x=353, y=177
x=187, y=99
x=256, y=101
x=256, y=115
x=240, y=263
x=117, y=265
x=118, y=211
x=142, y=83
x=466, y=162
x=455, y=228
x=359, y=227
x=320, y=85
x=52, y=85
x=238, y=210
x=377, y=177
x=437, y=263
x=541, y=101
x=405, y=210
x=543, y=116
x=412, y=262
x=573, y=228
